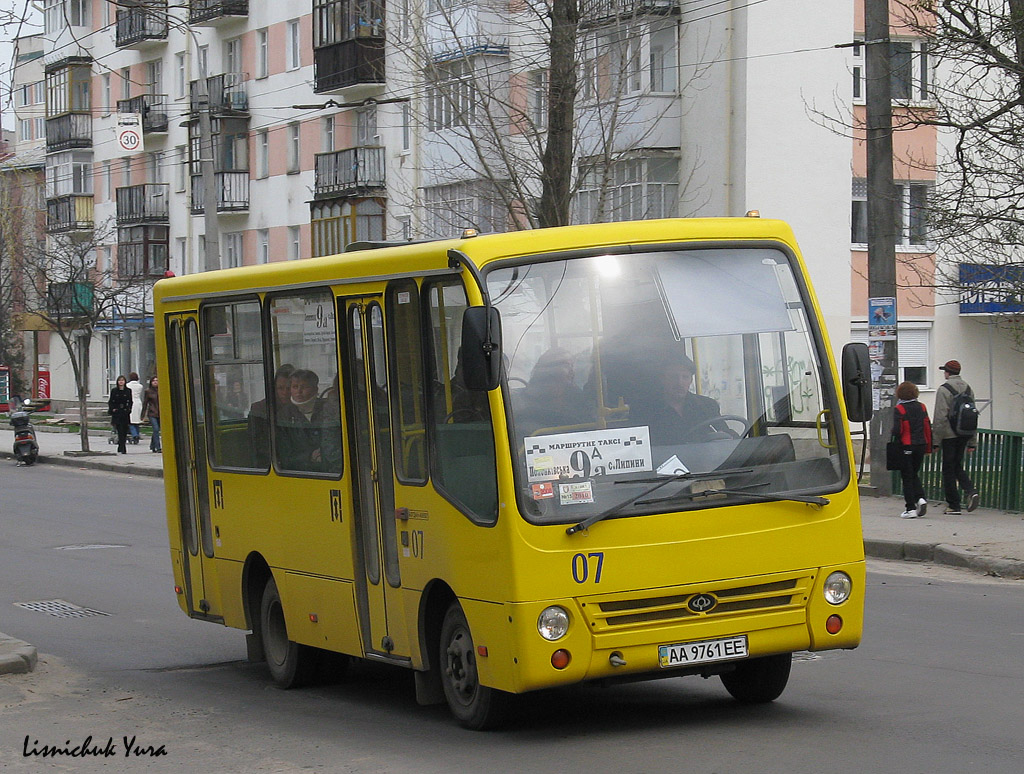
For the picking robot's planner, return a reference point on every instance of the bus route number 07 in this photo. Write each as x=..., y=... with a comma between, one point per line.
x=582, y=564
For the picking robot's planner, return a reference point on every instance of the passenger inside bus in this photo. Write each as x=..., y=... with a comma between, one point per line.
x=551, y=399
x=670, y=409
x=300, y=424
x=259, y=416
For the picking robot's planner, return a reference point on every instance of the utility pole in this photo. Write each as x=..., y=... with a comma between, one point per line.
x=881, y=224
x=207, y=156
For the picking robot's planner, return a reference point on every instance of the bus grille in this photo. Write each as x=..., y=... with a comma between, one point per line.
x=613, y=613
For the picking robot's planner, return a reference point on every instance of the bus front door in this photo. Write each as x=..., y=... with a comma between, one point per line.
x=366, y=389
x=185, y=362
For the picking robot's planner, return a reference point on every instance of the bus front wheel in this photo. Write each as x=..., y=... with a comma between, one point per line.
x=475, y=706
x=291, y=665
x=759, y=680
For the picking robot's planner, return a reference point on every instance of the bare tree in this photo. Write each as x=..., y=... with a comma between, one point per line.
x=529, y=102
x=76, y=295
x=977, y=209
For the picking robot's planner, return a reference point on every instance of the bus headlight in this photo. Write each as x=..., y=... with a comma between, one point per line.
x=553, y=623
x=837, y=588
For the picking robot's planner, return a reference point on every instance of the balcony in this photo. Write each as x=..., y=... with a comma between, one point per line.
x=227, y=93
x=73, y=212
x=142, y=23
x=212, y=12
x=153, y=108
x=605, y=11
x=349, y=172
x=148, y=203
x=69, y=131
x=358, y=62
x=232, y=192
x=69, y=299
x=142, y=251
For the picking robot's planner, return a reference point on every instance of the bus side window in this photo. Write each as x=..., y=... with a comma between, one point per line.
x=408, y=388
x=463, y=460
x=234, y=362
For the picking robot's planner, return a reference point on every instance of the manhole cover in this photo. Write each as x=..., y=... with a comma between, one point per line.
x=59, y=609
x=85, y=546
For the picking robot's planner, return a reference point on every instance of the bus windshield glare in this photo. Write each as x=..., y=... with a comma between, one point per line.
x=699, y=368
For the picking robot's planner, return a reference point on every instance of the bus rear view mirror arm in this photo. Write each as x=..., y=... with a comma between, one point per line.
x=481, y=333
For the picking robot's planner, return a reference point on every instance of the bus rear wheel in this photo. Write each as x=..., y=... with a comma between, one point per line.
x=759, y=680
x=291, y=665
x=475, y=706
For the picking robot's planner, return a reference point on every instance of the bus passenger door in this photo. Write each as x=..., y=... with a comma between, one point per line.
x=185, y=362
x=366, y=397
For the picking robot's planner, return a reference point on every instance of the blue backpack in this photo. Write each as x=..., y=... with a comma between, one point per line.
x=963, y=412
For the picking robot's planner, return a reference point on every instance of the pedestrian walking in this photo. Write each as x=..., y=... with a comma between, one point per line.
x=119, y=406
x=151, y=411
x=136, y=418
x=913, y=431
x=952, y=440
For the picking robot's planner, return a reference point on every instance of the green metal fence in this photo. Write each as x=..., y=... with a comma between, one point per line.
x=996, y=468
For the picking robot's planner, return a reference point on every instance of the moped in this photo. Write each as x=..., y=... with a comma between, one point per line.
x=25, y=447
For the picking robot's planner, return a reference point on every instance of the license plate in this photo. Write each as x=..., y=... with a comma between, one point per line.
x=703, y=652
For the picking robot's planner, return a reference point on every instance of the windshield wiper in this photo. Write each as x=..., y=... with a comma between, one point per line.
x=740, y=492
x=661, y=481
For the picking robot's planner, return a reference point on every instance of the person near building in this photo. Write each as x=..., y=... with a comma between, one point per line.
x=151, y=411
x=912, y=430
x=136, y=418
x=953, y=445
x=119, y=406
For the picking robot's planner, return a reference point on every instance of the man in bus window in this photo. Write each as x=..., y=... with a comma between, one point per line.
x=300, y=424
x=259, y=416
x=551, y=399
x=670, y=409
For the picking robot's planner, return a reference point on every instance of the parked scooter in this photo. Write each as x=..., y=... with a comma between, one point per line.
x=25, y=447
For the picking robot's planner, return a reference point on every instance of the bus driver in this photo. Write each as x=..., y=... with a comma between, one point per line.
x=673, y=413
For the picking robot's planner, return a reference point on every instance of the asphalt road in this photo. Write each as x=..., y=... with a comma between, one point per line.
x=936, y=686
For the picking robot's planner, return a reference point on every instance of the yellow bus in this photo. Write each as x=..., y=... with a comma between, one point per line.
x=517, y=461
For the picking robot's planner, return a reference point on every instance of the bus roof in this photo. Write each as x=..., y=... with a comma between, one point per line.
x=419, y=258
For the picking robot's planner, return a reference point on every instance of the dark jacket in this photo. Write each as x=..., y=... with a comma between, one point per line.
x=151, y=403
x=943, y=402
x=667, y=427
x=911, y=426
x=120, y=402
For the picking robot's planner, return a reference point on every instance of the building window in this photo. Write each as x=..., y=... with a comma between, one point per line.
x=539, y=99
x=334, y=225
x=233, y=55
x=263, y=246
x=293, y=44
x=475, y=204
x=859, y=212
x=366, y=126
x=69, y=173
x=25, y=130
x=633, y=189
x=327, y=134
x=294, y=243
x=231, y=249
x=911, y=79
x=858, y=72
x=263, y=154
x=406, y=127
x=180, y=75
x=452, y=96
x=180, y=167
x=262, y=53
x=107, y=103
x=294, y=148
x=40, y=125
x=663, y=60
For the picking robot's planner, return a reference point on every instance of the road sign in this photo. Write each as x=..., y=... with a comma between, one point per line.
x=129, y=132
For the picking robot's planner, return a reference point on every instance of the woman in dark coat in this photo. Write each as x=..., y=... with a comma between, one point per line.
x=119, y=406
x=151, y=411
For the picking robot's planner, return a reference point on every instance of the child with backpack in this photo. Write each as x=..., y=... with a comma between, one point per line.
x=954, y=431
x=912, y=430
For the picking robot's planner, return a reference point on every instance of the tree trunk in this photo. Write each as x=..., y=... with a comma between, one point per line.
x=556, y=164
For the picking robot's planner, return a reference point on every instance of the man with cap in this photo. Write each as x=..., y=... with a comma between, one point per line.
x=953, y=446
x=670, y=409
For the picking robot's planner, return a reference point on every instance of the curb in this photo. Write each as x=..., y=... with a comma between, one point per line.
x=16, y=657
x=941, y=553
x=93, y=464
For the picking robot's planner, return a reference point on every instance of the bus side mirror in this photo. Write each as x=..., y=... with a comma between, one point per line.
x=481, y=348
x=857, y=382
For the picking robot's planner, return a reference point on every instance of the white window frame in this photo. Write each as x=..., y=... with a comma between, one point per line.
x=327, y=134
x=919, y=86
x=294, y=148
x=232, y=249
x=914, y=344
x=262, y=53
x=263, y=245
x=262, y=154
x=294, y=243
x=181, y=79
x=293, y=45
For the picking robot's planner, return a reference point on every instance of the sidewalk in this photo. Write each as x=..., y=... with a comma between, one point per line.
x=986, y=541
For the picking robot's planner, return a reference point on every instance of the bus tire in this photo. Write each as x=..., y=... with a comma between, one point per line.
x=475, y=706
x=291, y=665
x=759, y=680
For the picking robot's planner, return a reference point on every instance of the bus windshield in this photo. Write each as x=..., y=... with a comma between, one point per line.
x=699, y=368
